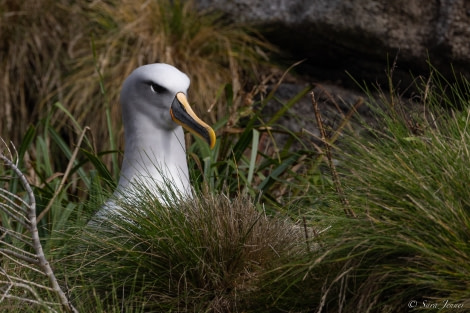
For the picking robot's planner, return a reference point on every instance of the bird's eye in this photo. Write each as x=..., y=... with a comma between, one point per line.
x=157, y=88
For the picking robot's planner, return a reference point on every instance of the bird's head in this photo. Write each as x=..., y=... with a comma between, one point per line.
x=154, y=96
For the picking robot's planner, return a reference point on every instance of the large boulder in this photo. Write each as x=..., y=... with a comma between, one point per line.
x=359, y=36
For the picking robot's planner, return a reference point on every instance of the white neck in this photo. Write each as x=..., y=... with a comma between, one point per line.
x=155, y=157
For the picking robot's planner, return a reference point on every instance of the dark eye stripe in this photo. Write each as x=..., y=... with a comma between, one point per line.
x=157, y=88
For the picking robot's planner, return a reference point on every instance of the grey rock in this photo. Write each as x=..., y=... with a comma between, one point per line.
x=334, y=103
x=356, y=36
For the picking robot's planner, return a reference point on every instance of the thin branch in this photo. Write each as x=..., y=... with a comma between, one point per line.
x=25, y=285
x=17, y=280
x=346, y=119
x=329, y=156
x=9, y=151
x=22, y=265
x=66, y=174
x=38, y=302
x=19, y=256
x=18, y=236
x=20, y=218
x=5, y=293
x=13, y=248
x=43, y=263
x=5, y=194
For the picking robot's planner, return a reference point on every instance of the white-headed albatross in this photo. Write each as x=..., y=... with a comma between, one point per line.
x=154, y=112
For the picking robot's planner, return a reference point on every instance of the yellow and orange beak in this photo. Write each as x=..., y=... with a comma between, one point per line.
x=182, y=114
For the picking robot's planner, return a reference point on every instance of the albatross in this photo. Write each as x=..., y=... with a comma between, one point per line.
x=155, y=110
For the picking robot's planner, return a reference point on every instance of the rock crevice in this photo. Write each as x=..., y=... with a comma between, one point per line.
x=357, y=36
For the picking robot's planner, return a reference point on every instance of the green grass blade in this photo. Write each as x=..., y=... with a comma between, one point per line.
x=101, y=168
x=254, y=154
x=28, y=139
x=288, y=105
x=277, y=172
x=64, y=147
x=69, y=115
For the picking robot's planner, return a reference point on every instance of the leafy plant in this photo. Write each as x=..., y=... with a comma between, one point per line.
x=248, y=159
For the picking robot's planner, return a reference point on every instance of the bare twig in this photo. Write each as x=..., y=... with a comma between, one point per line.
x=346, y=119
x=26, y=286
x=20, y=218
x=7, y=148
x=18, y=280
x=31, y=225
x=329, y=156
x=66, y=174
x=21, y=237
x=7, y=196
x=19, y=256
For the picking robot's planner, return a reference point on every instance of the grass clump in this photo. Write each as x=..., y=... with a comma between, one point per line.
x=408, y=246
x=206, y=254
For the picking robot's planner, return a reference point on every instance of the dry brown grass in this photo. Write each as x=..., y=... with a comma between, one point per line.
x=79, y=54
x=32, y=56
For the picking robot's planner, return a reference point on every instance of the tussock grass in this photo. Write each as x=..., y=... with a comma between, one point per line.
x=206, y=254
x=407, y=180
